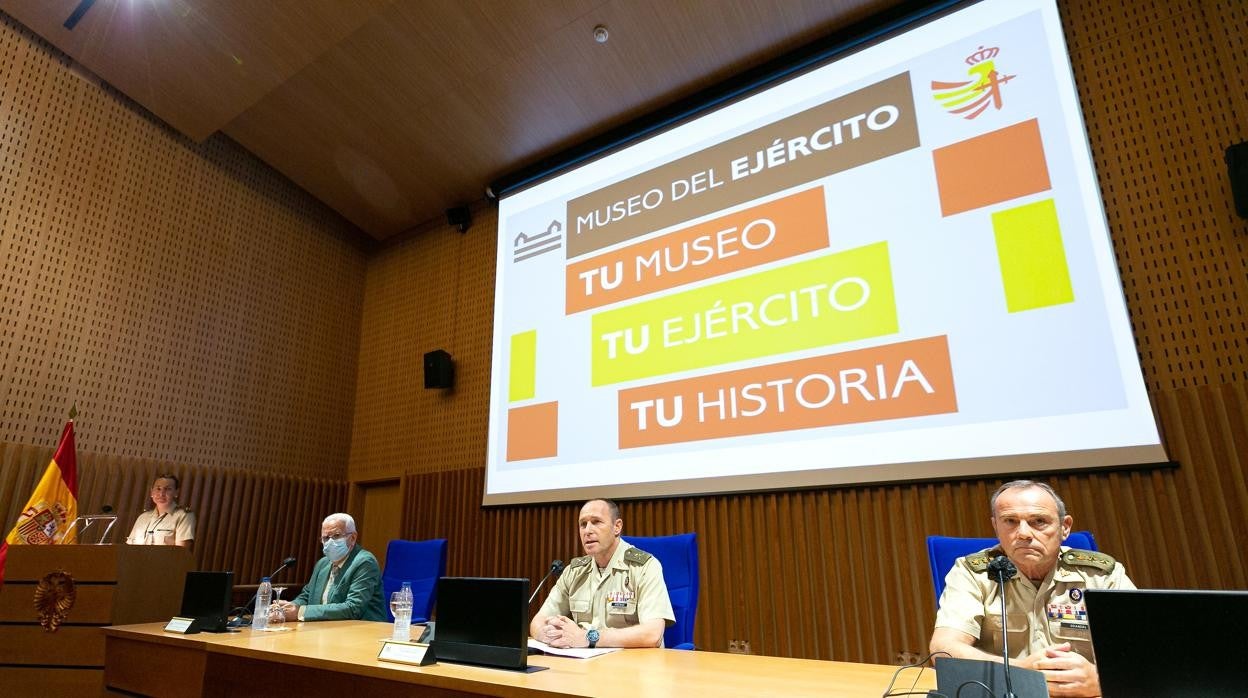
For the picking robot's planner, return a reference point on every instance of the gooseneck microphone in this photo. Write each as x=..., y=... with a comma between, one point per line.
x=555, y=568
x=1001, y=569
x=238, y=612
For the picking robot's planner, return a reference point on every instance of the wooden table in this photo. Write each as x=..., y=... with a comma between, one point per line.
x=340, y=658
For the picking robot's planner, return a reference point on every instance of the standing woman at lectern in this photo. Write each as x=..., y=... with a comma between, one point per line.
x=167, y=523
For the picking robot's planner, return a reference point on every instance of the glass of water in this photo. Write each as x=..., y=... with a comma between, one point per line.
x=401, y=607
x=276, y=615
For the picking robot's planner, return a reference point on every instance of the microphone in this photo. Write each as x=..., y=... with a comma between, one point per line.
x=1001, y=569
x=239, y=611
x=555, y=568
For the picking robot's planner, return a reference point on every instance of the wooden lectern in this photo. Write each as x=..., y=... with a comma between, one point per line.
x=113, y=585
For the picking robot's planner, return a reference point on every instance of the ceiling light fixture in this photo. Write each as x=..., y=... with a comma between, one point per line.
x=600, y=34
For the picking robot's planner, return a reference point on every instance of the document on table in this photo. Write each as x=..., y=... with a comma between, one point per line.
x=577, y=652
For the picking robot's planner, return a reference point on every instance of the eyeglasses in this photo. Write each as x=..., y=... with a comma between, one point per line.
x=336, y=536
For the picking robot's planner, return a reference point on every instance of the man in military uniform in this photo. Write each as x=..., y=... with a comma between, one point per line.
x=1046, y=618
x=614, y=596
x=168, y=523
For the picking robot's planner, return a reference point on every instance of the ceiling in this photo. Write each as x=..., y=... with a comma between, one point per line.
x=391, y=111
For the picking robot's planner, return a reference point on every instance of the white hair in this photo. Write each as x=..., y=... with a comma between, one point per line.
x=348, y=523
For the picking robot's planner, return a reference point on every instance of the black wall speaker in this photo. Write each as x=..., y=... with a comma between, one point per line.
x=439, y=370
x=459, y=217
x=1237, y=167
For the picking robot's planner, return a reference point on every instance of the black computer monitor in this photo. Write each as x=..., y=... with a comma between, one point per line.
x=484, y=621
x=1154, y=642
x=206, y=598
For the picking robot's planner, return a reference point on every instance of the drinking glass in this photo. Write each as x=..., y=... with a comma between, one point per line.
x=401, y=607
x=276, y=616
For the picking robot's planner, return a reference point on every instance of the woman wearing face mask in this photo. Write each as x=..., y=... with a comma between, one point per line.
x=345, y=584
x=167, y=523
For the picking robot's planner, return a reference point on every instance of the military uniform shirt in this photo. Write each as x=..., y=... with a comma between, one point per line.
x=1037, y=616
x=631, y=591
x=152, y=528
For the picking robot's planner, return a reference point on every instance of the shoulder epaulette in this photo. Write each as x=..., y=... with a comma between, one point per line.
x=634, y=556
x=579, y=561
x=1088, y=558
x=979, y=561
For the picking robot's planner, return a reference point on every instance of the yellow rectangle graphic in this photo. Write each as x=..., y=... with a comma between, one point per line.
x=522, y=376
x=1034, y=272
x=818, y=302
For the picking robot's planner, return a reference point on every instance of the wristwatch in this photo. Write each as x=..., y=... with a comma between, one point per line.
x=592, y=635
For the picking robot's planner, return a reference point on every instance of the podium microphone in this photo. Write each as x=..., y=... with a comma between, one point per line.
x=555, y=568
x=238, y=615
x=1001, y=569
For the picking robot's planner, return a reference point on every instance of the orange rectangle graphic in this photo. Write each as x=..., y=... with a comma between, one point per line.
x=533, y=431
x=774, y=230
x=906, y=379
x=989, y=169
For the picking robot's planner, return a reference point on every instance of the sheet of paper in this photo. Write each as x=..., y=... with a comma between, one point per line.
x=577, y=652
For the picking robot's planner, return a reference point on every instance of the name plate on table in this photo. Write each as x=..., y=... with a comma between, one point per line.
x=185, y=626
x=406, y=653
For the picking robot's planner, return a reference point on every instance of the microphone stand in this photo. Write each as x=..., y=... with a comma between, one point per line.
x=1004, y=570
x=555, y=568
x=240, y=610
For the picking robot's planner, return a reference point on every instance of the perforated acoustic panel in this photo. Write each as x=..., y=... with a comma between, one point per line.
x=432, y=291
x=195, y=305
x=1163, y=93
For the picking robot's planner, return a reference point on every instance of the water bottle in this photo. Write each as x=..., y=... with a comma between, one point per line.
x=407, y=592
x=260, y=616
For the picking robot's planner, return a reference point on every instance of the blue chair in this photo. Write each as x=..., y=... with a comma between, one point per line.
x=679, y=557
x=943, y=551
x=419, y=562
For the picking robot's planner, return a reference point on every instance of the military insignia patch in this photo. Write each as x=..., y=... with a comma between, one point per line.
x=1088, y=558
x=636, y=557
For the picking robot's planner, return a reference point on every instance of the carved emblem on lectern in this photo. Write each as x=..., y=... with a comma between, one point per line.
x=54, y=596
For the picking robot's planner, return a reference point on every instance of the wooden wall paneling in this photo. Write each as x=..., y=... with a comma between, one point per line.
x=1226, y=21
x=137, y=287
x=218, y=520
x=218, y=526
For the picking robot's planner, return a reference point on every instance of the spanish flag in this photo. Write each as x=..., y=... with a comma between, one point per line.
x=53, y=505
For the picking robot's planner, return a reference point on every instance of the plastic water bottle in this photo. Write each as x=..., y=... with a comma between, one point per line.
x=407, y=592
x=260, y=617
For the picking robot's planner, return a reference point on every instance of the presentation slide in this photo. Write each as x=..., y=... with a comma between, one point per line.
x=895, y=266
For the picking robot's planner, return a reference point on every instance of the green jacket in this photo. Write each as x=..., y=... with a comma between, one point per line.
x=356, y=594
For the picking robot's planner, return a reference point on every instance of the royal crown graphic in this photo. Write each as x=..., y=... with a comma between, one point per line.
x=969, y=98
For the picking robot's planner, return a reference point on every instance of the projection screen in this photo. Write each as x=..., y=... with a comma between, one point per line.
x=893, y=266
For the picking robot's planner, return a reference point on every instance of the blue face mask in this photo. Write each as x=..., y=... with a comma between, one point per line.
x=335, y=549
